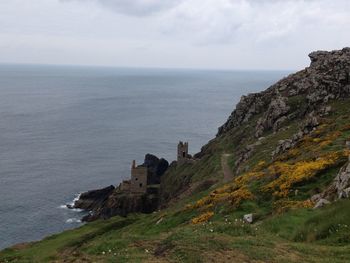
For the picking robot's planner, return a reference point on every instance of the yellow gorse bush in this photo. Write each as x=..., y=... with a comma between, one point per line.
x=279, y=176
x=202, y=218
x=225, y=194
x=285, y=205
x=290, y=174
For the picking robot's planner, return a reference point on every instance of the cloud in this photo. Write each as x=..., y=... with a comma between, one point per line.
x=134, y=7
x=238, y=34
x=212, y=22
x=253, y=21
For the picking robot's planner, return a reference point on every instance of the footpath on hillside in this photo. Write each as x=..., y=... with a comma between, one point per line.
x=228, y=175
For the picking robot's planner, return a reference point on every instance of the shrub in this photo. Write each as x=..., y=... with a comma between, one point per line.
x=202, y=218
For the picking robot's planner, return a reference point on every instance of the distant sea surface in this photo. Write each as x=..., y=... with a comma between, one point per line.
x=65, y=130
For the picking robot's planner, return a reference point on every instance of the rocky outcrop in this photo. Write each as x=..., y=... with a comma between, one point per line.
x=119, y=203
x=342, y=182
x=327, y=78
x=310, y=124
x=245, y=154
x=156, y=168
x=340, y=188
x=94, y=199
x=274, y=116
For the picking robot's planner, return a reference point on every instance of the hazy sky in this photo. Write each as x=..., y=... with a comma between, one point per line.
x=234, y=34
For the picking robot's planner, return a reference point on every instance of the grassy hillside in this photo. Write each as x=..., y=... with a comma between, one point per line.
x=302, y=235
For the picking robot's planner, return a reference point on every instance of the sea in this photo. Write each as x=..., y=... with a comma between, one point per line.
x=68, y=129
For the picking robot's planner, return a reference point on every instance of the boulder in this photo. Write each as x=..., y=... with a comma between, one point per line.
x=248, y=218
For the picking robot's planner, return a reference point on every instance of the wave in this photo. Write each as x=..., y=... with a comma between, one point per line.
x=71, y=204
x=73, y=220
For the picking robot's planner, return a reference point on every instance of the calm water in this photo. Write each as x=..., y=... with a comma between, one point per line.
x=64, y=130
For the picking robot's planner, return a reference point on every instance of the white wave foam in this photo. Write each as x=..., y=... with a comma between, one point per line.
x=73, y=220
x=76, y=198
x=70, y=204
x=77, y=209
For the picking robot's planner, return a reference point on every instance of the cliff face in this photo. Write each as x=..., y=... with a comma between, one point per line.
x=122, y=204
x=92, y=199
x=327, y=78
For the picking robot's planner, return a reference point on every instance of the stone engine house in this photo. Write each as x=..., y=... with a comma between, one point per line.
x=182, y=152
x=139, y=176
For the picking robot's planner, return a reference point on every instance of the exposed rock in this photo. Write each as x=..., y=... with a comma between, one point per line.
x=244, y=155
x=310, y=123
x=274, y=115
x=248, y=218
x=306, y=127
x=327, y=78
x=278, y=123
x=247, y=107
x=122, y=204
x=340, y=188
x=156, y=168
x=321, y=203
x=283, y=146
x=342, y=182
x=347, y=144
x=93, y=199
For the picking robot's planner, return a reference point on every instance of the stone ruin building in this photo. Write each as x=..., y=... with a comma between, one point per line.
x=141, y=175
x=182, y=153
x=138, y=181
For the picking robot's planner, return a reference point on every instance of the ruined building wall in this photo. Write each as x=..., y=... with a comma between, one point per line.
x=182, y=152
x=138, y=179
x=125, y=186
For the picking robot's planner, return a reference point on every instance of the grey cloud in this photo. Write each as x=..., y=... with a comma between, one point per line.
x=134, y=7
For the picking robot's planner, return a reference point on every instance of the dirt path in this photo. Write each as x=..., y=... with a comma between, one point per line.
x=228, y=175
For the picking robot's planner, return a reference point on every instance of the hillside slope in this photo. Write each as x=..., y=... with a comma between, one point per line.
x=281, y=153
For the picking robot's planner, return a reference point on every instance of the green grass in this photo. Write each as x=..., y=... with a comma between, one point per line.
x=139, y=238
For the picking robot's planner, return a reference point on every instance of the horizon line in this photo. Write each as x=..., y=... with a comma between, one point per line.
x=142, y=67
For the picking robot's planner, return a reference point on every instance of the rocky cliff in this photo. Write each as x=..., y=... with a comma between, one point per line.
x=326, y=79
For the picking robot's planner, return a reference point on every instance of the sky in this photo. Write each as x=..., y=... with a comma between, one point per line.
x=213, y=34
